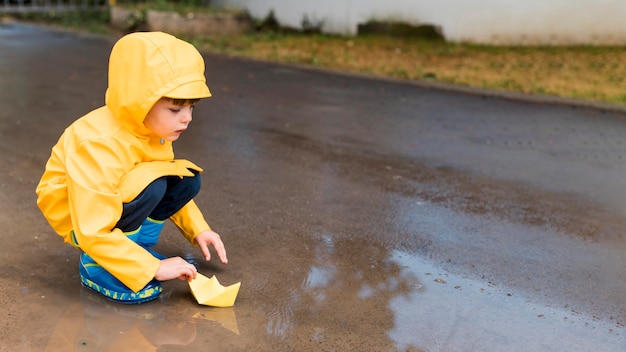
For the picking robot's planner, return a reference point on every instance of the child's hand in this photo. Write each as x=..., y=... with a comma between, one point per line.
x=175, y=268
x=210, y=238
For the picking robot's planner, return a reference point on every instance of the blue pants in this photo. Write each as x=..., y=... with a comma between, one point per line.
x=161, y=199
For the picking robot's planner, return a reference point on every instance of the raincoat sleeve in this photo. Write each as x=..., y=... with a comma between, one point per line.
x=93, y=171
x=190, y=221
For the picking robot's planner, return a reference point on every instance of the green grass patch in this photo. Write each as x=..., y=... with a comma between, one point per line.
x=180, y=6
x=93, y=21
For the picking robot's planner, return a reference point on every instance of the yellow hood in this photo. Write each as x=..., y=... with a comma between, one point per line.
x=145, y=66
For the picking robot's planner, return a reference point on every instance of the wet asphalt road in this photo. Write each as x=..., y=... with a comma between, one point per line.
x=359, y=214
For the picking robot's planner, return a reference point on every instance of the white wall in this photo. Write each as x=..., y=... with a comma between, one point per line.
x=484, y=21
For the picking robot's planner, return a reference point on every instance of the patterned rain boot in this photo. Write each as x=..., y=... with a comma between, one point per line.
x=95, y=277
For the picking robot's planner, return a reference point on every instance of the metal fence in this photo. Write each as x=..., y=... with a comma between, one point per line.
x=28, y=6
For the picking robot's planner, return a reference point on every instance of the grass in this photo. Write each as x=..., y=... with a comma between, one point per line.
x=580, y=72
x=93, y=21
x=180, y=6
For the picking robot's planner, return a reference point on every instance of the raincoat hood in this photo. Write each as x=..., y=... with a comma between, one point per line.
x=146, y=66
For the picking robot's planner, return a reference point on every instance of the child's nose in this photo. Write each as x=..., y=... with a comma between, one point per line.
x=187, y=116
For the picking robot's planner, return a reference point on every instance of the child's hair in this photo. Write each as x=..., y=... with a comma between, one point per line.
x=181, y=102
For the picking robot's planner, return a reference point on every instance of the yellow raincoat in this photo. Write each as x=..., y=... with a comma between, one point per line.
x=107, y=157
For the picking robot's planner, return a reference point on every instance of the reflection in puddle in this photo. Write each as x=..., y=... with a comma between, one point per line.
x=452, y=313
x=280, y=320
x=345, y=295
x=319, y=276
x=96, y=324
x=223, y=316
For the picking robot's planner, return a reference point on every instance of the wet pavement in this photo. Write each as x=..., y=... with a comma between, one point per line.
x=359, y=214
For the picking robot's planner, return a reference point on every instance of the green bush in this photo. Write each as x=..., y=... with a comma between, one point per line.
x=95, y=21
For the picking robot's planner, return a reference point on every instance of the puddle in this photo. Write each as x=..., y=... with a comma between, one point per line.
x=96, y=324
x=446, y=312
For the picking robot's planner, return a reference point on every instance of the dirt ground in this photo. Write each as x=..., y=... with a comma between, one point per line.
x=359, y=214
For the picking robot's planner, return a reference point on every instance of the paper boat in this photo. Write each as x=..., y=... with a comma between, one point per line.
x=210, y=292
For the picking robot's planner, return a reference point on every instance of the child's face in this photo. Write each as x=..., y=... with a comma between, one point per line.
x=168, y=120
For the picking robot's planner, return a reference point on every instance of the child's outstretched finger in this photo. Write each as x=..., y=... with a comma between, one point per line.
x=205, y=251
x=221, y=252
x=210, y=238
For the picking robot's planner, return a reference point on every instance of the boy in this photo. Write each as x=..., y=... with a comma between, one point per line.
x=112, y=180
